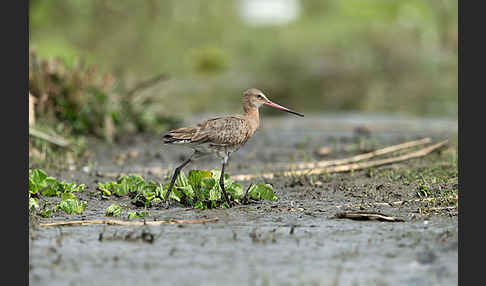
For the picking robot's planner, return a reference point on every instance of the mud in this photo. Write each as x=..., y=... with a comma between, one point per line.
x=293, y=241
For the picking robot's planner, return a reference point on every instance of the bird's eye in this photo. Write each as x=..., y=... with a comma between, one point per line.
x=260, y=96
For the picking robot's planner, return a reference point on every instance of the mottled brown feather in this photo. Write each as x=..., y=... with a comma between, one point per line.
x=180, y=134
x=227, y=130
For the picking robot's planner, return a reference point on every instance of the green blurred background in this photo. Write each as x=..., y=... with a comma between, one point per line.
x=315, y=56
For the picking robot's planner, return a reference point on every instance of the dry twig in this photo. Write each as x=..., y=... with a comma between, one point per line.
x=354, y=159
x=127, y=223
x=147, y=83
x=32, y=101
x=346, y=167
x=367, y=216
x=49, y=138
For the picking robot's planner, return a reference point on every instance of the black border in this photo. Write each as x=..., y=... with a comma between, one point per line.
x=15, y=66
x=471, y=86
x=460, y=145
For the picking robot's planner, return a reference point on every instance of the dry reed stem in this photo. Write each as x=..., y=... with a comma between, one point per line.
x=353, y=159
x=346, y=167
x=368, y=216
x=57, y=140
x=127, y=223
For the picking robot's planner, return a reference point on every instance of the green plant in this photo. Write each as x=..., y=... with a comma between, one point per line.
x=113, y=210
x=40, y=184
x=71, y=204
x=262, y=192
x=200, y=189
x=134, y=215
x=142, y=192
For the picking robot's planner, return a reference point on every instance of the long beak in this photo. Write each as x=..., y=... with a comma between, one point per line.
x=274, y=105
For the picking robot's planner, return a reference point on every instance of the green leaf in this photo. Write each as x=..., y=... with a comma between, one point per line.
x=262, y=192
x=50, y=192
x=113, y=210
x=207, y=184
x=216, y=174
x=235, y=190
x=176, y=194
x=105, y=189
x=181, y=180
x=38, y=175
x=76, y=188
x=33, y=203
x=38, y=180
x=51, y=181
x=214, y=194
x=45, y=213
x=225, y=205
x=196, y=177
x=134, y=215
x=128, y=184
x=49, y=186
x=72, y=206
x=199, y=205
x=188, y=191
x=68, y=196
x=189, y=194
x=33, y=187
x=123, y=186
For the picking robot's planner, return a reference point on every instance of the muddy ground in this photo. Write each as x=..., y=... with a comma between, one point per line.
x=293, y=241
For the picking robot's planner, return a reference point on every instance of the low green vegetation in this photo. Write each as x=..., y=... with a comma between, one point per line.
x=71, y=204
x=200, y=189
x=143, y=193
x=134, y=215
x=433, y=178
x=116, y=210
x=41, y=185
x=113, y=210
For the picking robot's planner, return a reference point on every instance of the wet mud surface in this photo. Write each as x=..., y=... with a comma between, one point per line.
x=293, y=241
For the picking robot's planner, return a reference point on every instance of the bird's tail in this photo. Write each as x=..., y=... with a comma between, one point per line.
x=180, y=135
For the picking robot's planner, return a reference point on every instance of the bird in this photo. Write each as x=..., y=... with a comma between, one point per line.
x=220, y=136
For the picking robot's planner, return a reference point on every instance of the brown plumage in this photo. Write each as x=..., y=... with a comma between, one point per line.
x=221, y=135
x=224, y=131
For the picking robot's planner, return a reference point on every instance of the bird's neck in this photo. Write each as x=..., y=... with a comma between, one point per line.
x=253, y=116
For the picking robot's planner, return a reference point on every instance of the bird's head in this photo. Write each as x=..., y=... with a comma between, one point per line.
x=255, y=98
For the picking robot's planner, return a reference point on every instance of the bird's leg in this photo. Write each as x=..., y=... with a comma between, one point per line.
x=221, y=181
x=245, y=199
x=174, y=177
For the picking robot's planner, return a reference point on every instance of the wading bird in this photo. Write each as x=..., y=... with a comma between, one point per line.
x=221, y=135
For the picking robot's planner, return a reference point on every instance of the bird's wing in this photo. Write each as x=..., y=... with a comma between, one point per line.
x=224, y=131
x=180, y=135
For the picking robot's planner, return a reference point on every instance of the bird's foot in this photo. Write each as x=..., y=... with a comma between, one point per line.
x=229, y=202
x=166, y=204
